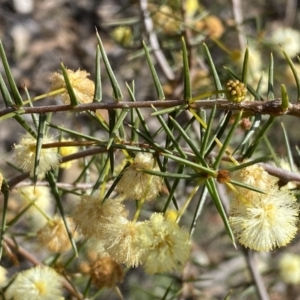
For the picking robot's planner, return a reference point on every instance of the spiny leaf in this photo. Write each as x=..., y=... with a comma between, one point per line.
x=98, y=85
x=215, y=75
x=158, y=87
x=16, y=95
x=117, y=94
x=187, y=94
x=72, y=95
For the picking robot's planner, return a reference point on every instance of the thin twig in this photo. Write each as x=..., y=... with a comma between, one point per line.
x=154, y=41
x=256, y=276
x=238, y=17
x=271, y=107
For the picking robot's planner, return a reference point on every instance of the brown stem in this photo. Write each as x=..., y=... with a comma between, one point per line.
x=272, y=107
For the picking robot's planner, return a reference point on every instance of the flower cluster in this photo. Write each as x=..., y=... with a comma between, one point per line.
x=235, y=91
x=262, y=221
x=25, y=156
x=158, y=244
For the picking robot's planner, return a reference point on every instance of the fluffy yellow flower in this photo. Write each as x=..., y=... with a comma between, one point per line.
x=266, y=221
x=83, y=87
x=91, y=214
x=135, y=184
x=289, y=266
x=54, y=235
x=166, y=245
x=121, y=241
x=39, y=283
x=25, y=156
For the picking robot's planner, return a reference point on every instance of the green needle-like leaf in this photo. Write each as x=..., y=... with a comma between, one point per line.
x=16, y=95
x=271, y=78
x=98, y=85
x=5, y=94
x=285, y=102
x=170, y=175
x=211, y=186
x=158, y=87
x=50, y=178
x=189, y=142
x=170, y=135
x=117, y=94
x=207, y=131
x=199, y=208
x=193, y=165
x=169, y=110
x=295, y=73
x=39, y=144
x=245, y=67
x=5, y=192
x=72, y=95
x=227, y=140
x=187, y=93
x=117, y=125
x=288, y=148
x=172, y=189
x=214, y=72
x=258, y=138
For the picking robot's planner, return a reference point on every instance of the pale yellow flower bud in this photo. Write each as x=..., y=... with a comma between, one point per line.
x=235, y=91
